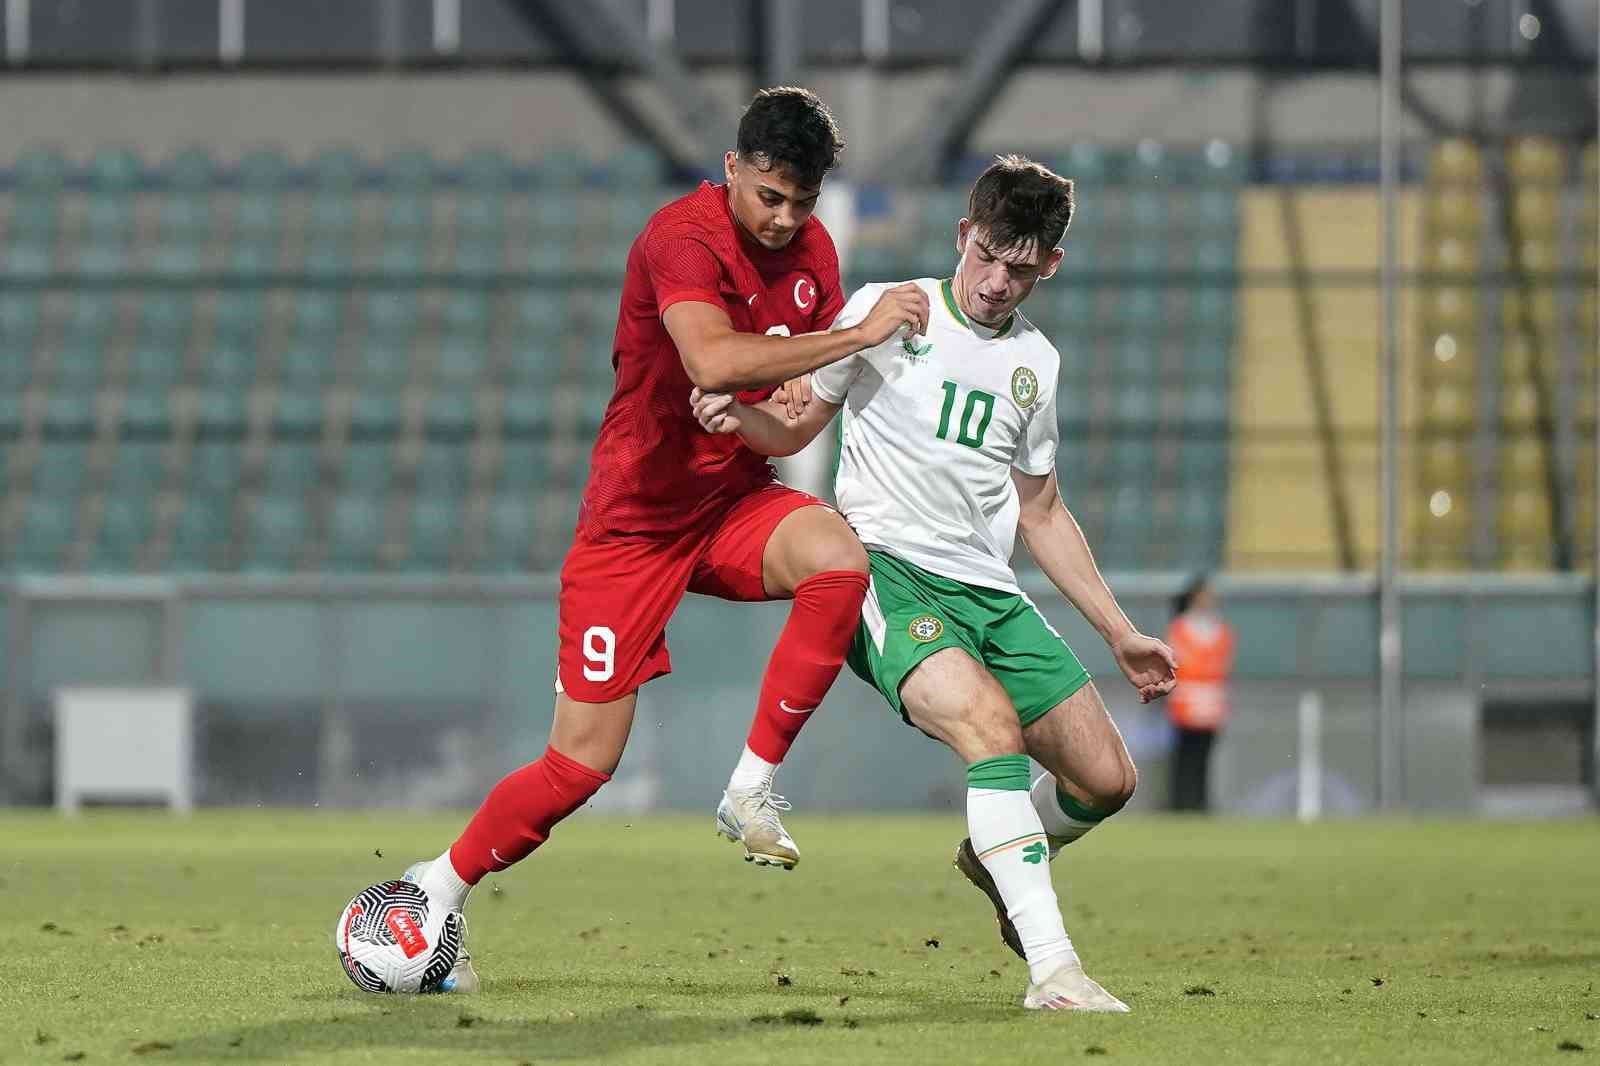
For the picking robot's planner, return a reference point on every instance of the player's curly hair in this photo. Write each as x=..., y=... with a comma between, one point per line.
x=788, y=127
x=1018, y=201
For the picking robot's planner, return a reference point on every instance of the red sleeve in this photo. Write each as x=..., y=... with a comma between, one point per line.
x=682, y=268
x=830, y=291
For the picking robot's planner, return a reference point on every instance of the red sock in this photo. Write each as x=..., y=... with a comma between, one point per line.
x=822, y=623
x=519, y=813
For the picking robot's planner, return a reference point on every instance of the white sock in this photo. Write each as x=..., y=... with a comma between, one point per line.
x=753, y=771
x=443, y=885
x=1061, y=827
x=1010, y=842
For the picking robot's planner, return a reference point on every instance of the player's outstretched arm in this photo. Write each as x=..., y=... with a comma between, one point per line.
x=719, y=358
x=765, y=427
x=1058, y=545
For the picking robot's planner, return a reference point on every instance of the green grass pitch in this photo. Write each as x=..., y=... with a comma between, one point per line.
x=147, y=938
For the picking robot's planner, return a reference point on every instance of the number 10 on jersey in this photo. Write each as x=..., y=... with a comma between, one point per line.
x=965, y=434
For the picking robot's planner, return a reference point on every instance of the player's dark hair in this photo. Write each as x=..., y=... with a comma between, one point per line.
x=1191, y=591
x=788, y=127
x=1018, y=202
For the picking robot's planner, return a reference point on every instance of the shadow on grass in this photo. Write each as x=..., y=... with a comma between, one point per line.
x=454, y=1026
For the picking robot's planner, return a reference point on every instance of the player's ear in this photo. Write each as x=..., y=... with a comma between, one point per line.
x=963, y=228
x=730, y=165
x=1052, y=264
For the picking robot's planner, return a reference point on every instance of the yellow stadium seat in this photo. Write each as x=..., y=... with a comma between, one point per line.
x=1448, y=408
x=1521, y=406
x=1453, y=254
x=1453, y=306
x=1455, y=160
x=1537, y=210
x=1524, y=461
x=1455, y=209
x=1535, y=159
x=1537, y=255
x=1516, y=358
x=1445, y=465
x=1536, y=310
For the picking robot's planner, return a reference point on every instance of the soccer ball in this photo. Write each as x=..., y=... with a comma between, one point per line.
x=391, y=938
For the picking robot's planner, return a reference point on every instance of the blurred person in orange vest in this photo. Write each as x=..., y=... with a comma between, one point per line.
x=1198, y=706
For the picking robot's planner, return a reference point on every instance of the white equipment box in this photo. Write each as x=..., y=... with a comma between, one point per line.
x=128, y=744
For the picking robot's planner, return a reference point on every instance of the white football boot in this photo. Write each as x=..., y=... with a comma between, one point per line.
x=749, y=816
x=1066, y=988
x=463, y=978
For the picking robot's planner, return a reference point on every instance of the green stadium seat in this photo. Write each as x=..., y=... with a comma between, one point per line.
x=375, y=414
x=48, y=529
x=228, y=366
x=19, y=323
x=390, y=315
x=10, y=417
x=115, y=169
x=125, y=526
x=40, y=169
x=298, y=413
x=69, y=413
x=293, y=468
x=479, y=256
x=279, y=529
x=366, y=468
x=337, y=167
x=479, y=211
x=385, y=363
x=451, y=411
x=526, y=413
x=220, y=412
x=463, y=360
x=486, y=168
x=409, y=168
x=561, y=166
x=301, y=366
x=139, y=467
x=165, y=317
x=201, y=530
x=444, y=471
x=318, y=316
x=213, y=468
x=435, y=526
x=240, y=317
x=510, y=533
x=80, y=365
x=60, y=469
x=146, y=410
x=355, y=528
x=403, y=257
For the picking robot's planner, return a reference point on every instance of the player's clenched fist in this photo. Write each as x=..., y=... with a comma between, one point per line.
x=717, y=412
x=904, y=307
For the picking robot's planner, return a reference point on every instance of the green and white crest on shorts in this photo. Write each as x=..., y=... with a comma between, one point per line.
x=1024, y=387
x=925, y=628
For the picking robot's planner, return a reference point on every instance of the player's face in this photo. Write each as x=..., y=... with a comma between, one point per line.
x=769, y=204
x=992, y=281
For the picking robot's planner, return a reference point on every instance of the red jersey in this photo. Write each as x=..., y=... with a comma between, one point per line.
x=653, y=469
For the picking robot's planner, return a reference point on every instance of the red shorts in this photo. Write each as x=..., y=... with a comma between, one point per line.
x=618, y=593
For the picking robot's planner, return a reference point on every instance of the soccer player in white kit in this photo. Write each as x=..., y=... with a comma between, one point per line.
x=948, y=450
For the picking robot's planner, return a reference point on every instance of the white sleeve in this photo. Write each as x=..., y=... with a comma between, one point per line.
x=1037, y=456
x=832, y=382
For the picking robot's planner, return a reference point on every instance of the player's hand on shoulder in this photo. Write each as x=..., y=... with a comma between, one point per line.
x=794, y=396
x=1148, y=664
x=902, y=308
x=717, y=412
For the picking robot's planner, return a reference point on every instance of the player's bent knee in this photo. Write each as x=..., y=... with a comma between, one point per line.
x=1118, y=789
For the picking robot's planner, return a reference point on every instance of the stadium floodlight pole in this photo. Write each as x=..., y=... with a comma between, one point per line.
x=1389, y=639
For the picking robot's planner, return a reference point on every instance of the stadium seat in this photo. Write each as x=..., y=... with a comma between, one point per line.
x=278, y=531
x=199, y=535
x=48, y=529
x=510, y=532
x=125, y=528
x=355, y=528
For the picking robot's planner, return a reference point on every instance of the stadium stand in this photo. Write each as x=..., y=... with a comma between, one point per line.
x=345, y=364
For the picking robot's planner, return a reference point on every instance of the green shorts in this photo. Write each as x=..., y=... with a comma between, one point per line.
x=910, y=614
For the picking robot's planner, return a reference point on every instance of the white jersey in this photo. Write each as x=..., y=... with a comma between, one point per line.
x=932, y=428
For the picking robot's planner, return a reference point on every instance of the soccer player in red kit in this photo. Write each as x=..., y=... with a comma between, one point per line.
x=732, y=288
